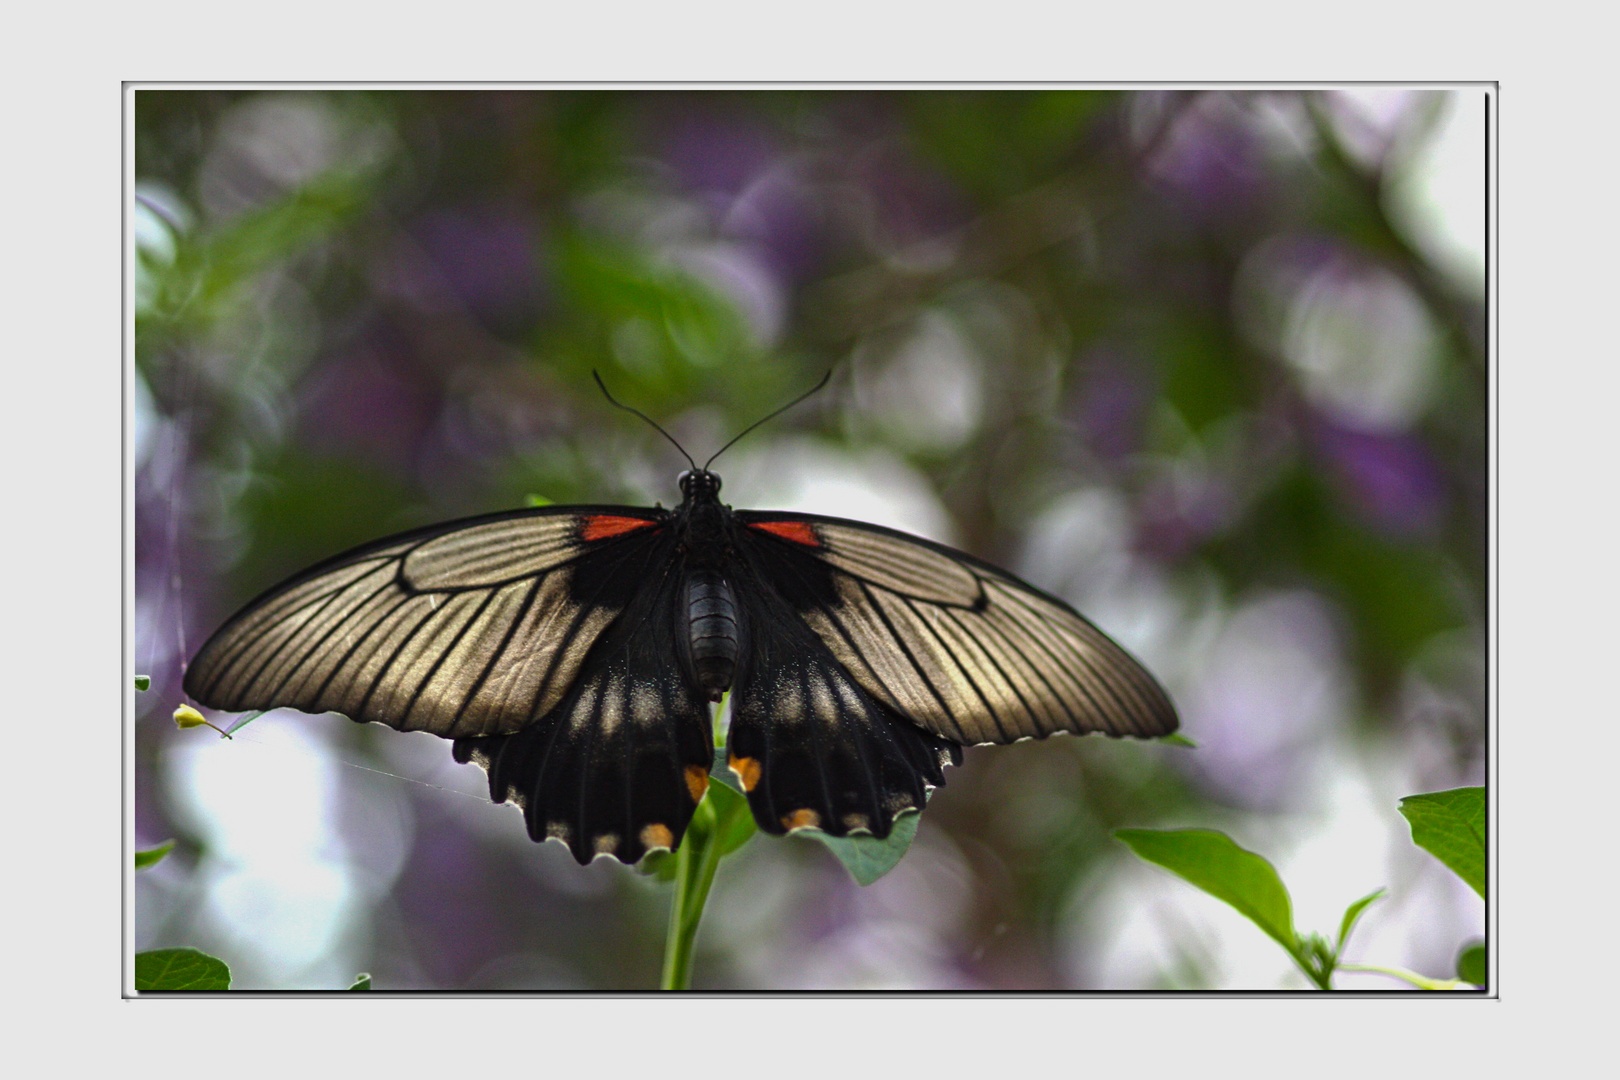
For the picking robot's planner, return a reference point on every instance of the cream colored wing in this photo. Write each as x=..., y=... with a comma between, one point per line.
x=471, y=628
x=963, y=649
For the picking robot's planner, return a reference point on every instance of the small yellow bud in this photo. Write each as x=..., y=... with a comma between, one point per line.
x=187, y=717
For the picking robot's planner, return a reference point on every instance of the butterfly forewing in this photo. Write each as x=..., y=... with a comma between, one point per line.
x=963, y=649
x=473, y=628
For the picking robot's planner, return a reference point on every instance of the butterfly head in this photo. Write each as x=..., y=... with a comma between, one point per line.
x=698, y=485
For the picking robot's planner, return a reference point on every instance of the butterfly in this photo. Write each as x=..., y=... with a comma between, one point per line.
x=575, y=652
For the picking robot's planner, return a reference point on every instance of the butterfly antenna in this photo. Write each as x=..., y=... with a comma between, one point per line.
x=772, y=416
x=614, y=401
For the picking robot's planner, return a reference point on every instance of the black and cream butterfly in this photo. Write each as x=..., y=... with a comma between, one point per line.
x=574, y=652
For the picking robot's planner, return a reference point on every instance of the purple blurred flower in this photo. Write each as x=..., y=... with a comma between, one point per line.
x=779, y=212
x=445, y=894
x=1179, y=512
x=1211, y=159
x=371, y=403
x=1111, y=402
x=746, y=177
x=1392, y=481
x=912, y=202
x=717, y=154
x=1291, y=258
x=489, y=257
x=1264, y=695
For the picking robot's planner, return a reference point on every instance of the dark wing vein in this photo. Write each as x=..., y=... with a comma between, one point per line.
x=244, y=648
x=967, y=672
x=906, y=650
x=1132, y=688
x=495, y=654
x=425, y=679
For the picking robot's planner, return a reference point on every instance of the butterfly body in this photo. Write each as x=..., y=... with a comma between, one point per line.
x=702, y=526
x=576, y=652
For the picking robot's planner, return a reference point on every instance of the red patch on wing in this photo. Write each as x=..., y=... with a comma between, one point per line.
x=800, y=532
x=602, y=526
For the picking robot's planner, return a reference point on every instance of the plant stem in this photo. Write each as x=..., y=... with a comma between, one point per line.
x=1322, y=979
x=695, y=863
x=1422, y=982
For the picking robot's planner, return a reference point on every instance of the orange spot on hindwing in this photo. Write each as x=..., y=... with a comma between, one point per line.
x=657, y=836
x=800, y=532
x=801, y=819
x=604, y=526
x=747, y=770
x=697, y=782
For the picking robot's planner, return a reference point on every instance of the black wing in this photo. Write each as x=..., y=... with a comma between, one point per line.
x=811, y=746
x=960, y=648
x=620, y=764
x=474, y=627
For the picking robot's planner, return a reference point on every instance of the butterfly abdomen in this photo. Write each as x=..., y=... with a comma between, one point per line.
x=711, y=621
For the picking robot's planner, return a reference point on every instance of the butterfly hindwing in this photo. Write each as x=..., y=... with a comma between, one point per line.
x=472, y=628
x=618, y=766
x=810, y=745
x=959, y=647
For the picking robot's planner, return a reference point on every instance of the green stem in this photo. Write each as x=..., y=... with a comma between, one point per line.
x=1422, y=982
x=1315, y=962
x=695, y=863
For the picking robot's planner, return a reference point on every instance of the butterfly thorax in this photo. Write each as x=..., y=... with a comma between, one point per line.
x=701, y=521
x=709, y=606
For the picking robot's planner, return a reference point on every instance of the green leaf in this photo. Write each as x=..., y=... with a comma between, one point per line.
x=736, y=821
x=143, y=682
x=866, y=857
x=1471, y=963
x=180, y=969
x=1450, y=825
x=722, y=772
x=1214, y=863
x=153, y=856
x=362, y=981
x=1176, y=738
x=1351, y=914
x=658, y=864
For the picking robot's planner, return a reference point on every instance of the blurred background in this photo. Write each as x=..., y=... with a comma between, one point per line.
x=1210, y=365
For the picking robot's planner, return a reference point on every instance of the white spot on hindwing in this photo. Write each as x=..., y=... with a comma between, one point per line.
x=789, y=698
x=853, y=705
x=587, y=704
x=821, y=700
x=613, y=705
x=645, y=707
